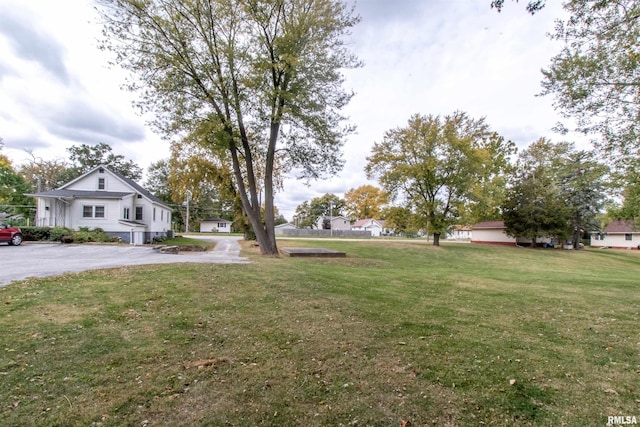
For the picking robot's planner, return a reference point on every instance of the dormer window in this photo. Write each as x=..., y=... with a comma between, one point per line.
x=101, y=184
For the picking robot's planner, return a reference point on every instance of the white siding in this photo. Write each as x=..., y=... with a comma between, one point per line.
x=491, y=236
x=616, y=241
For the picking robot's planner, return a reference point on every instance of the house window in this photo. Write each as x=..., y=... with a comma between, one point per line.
x=628, y=237
x=101, y=170
x=101, y=184
x=222, y=225
x=154, y=214
x=89, y=211
x=125, y=213
x=138, y=213
x=161, y=215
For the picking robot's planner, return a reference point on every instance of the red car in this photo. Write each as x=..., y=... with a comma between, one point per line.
x=11, y=235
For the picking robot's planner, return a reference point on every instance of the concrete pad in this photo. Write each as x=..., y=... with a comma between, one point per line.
x=313, y=252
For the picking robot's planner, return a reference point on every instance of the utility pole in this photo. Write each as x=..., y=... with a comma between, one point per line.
x=186, y=222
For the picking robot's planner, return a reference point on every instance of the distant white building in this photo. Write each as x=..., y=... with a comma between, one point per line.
x=286, y=226
x=215, y=225
x=375, y=226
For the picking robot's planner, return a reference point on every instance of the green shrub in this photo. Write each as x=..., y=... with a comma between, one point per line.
x=35, y=233
x=57, y=233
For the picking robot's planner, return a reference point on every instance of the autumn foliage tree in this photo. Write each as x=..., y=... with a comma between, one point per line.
x=434, y=163
x=366, y=201
x=265, y=75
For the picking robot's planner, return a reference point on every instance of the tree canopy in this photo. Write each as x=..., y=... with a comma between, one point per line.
x=556, y=192
x=265, y=75
x=434, y=163
x=366, y=201
x=85, y=157
x=13, y=187
x=307, y=213
x=595, y=79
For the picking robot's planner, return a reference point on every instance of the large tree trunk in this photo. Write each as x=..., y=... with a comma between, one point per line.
x=251, y=205
x=436, y=239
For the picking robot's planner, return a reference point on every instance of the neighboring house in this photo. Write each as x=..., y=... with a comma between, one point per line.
x=375, y=226
x=279, y=229
x=494, y=233
x=104, y=199
x=491, y=232
x=215, y=225
x=337, y=223
x=619, y=234
x=460, y=232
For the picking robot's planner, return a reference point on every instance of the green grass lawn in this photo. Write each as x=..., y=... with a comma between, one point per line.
x=460, y=335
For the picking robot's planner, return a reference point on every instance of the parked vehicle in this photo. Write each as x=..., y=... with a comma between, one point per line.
x=11, y=235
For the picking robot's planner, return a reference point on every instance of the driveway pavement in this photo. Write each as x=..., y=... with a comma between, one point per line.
x=43, y=259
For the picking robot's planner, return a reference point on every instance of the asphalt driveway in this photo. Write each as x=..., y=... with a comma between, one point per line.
x=44, y=259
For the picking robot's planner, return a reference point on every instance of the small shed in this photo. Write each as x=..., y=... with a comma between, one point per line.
x=215, y=225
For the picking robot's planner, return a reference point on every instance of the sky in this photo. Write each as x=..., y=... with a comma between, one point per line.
x=58, y=89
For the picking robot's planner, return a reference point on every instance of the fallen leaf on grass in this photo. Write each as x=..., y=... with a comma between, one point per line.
x=611, y=391
x=203, y=363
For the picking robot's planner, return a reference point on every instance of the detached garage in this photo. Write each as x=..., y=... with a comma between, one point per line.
x=492, y=233
x=215, y=225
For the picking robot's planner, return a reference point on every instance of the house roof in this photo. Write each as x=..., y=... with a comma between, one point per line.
x=488, y=225
x=132, y=223
x=621, y=226
x=285, y=225
x=215, y=220
x=82, y=194
x=131, y=183
x=332, y=217
x=364, y=222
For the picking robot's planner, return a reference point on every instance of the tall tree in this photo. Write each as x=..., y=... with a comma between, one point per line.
x=207, y=180
x=595, y=79
x=307, y=213
x=585, y=184
x=556, y=192
x=85, y=157
x=364, y=202
x=158, y=174
x=303, y=217
x=44, y=175
x=435, y=162
x=265, y=74
x=400, y=219
x=13, y=187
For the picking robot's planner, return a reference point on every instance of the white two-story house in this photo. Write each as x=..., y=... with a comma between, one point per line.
x=105, y=199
